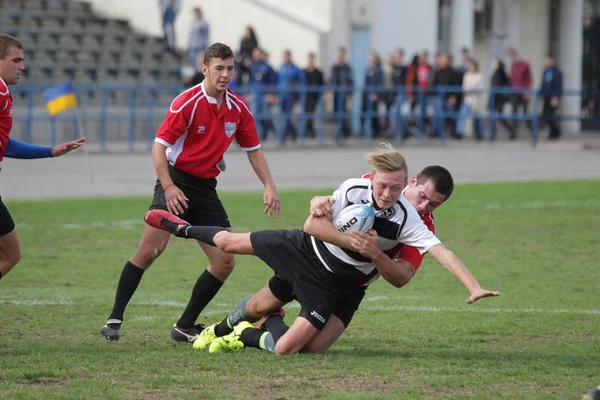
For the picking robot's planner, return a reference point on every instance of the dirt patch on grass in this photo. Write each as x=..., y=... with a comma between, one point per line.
x=44, y=381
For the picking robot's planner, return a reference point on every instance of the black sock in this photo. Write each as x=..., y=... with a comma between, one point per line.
x=223, y=328
x=204, y=234
x=205, y=289
x=251, y=337
x=276, y=326
x=128, y=283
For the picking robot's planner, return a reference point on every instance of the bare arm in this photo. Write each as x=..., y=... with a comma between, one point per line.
x=396, y=272
x=322, y=229
x=456, y=267
x=176, y=200
x=261, y=168
x=322, y=206
x=161, y=165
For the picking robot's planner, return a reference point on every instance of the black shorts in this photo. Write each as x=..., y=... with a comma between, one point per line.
x=7, y=225
x=290, y=255
x=345, y=310
x=204, y=206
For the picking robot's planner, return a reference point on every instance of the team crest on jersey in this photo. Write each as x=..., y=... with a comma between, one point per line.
x=229, y=128
x=386, y=213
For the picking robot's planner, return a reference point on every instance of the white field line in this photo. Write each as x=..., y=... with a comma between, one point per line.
x=218, y=308
x=129, y=224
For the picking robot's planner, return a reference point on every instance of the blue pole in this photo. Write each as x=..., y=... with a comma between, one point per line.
x=103, y=118
x=29, y=120
x=492, y=116
x=150, y=117
x=132, y=95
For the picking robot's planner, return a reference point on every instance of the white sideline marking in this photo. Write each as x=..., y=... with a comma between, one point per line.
x=482, y=310
x=129, y=224
x=166, y=303
x=217, y=311
x=38, y=302
x=538, y=204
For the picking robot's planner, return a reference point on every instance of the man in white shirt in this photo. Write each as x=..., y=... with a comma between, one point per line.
x=199, y=36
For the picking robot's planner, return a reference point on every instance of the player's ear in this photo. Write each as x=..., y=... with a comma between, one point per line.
x=204, y=69
x=413, y=181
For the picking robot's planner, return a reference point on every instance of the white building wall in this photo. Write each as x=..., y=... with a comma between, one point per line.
x=411, y=25
x=533, y=35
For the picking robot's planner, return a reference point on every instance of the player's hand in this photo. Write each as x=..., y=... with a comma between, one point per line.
x=272, y=202
x=367, y=244
x=321, y=206
x=176, y=200
x=64, y=148
x=480, y=294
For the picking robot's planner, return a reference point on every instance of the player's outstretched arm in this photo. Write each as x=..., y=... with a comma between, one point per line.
x=261, y=168
x=67, y=147
x=456, y=267
x=27, y=151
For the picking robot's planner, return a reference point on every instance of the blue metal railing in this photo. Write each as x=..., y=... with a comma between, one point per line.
x=139, y=110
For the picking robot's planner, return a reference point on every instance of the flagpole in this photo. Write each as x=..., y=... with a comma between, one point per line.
x=86, y=154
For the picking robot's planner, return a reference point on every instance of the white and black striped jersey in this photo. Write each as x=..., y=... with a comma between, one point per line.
x=400, y=223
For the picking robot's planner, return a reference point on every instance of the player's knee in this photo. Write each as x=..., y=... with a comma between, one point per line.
x=283, y=348
x=315, y=348
x=225, y=265
x=225, y=241
x=146, y=254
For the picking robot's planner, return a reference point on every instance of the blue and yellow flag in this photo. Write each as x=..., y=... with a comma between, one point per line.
x=60, y=98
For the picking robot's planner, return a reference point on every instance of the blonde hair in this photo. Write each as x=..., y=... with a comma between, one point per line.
x=387, y=159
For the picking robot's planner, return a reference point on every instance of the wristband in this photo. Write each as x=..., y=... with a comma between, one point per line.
x=168, y=186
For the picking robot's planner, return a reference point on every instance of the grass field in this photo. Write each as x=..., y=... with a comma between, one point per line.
x=535, y=242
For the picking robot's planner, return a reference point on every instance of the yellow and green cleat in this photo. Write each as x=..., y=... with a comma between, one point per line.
x=231, y=342
x=205, y=338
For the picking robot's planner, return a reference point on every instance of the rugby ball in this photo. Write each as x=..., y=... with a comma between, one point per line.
x=358, y=217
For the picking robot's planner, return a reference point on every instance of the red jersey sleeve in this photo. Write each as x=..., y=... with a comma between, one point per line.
x=178, y=119
x=246, y=135
x=411, y=254
x=5, y=118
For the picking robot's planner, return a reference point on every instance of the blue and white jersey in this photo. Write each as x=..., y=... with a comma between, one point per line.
x=400, y=223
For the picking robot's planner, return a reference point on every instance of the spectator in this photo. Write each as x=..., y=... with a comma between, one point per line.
x=551, y=92
x=397, y=98
x=199, y=36
x=371, y=99
x=262, y=76
x=466, y=60
x=314, y=77
x=444, y=101
x=196, y=77
x=290, y=77
x=248, y=43
x=424, y=74
x=473, y=103
x=169, y=10
x=412, y=81
x=500, y=80
x=520, y=79
x=459, y=74
x=341, y=76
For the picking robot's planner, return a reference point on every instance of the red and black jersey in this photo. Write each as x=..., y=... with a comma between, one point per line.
x=197, y=135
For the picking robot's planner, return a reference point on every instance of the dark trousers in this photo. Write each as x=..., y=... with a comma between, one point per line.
x=310, y=107
x=519, y=101
x=339, y=106
x=549, y=117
